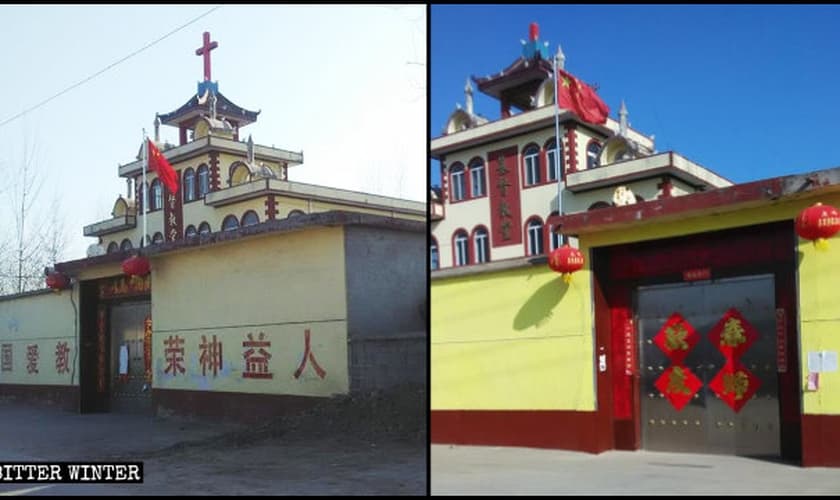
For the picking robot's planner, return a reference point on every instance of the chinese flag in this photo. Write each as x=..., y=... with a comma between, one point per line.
x=159, y=164
x=579, y=97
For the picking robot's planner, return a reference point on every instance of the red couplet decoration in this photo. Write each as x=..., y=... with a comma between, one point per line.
x=136, y=266
x=565, y=260
x=817, y=223
x=57, y=281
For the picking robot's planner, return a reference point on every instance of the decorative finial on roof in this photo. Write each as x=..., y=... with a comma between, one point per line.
x=468, y=95
x=533, y=49
x=213, y=106
x=560, y=57
x=157, y=128
x=250, y=150
x=622, y=124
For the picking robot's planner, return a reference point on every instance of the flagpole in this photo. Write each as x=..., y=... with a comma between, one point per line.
x=144, y=194
x=557, y=143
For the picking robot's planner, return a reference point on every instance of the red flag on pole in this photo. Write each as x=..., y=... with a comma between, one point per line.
x=159, y=164
x=579, y=97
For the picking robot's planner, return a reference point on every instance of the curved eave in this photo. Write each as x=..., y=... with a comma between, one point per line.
x=191, y=110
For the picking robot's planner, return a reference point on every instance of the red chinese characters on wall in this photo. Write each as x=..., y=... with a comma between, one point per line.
x=32, y=358
x=62, y=358
x=174, y=354
x=505, y=213
x=256, y=357
x=125, y=287
x=211, y=355
x=676, y=338
x=147, y=348
x=172, y=215
x=100, y=348
x=6, y=357
x=309, y=357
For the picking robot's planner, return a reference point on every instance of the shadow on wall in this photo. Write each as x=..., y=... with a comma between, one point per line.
x=540, y=306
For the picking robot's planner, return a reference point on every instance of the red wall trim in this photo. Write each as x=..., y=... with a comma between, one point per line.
x=820, y=439
x=215, y=181
x=558, y=429
x=271, y=207
x=571, y=150
x=505, y=207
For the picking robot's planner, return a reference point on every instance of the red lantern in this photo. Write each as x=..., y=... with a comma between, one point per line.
x=566, y=260
x=817, y=223
x=57, y=281
x=136, y=266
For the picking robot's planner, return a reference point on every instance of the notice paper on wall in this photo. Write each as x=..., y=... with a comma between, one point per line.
x=822, y=361
x=123, y=359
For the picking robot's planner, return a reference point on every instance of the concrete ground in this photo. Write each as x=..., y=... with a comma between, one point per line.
x=331, y=452
x=486, y=470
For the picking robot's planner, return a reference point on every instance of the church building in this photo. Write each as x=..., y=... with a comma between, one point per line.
x=701, y=319
x=243, y=293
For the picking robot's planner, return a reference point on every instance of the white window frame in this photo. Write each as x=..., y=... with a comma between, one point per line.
x=157, y=194
x=481, y=246
x=553, y=168
x=189, y=185
x=458, y=180
x=477, y=180
x=556, y=239
x=532, y=167
x=434, y=256
x=592, y=156
x=462, y=255
x=203, y=187
x=535, y=234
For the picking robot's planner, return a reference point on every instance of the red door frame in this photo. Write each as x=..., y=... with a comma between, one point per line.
x=762, y=249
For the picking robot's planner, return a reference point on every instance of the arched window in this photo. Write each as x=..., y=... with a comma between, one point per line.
x=113, y=247
x=535, y=236
x=250, y=218
x=531, y=160
x=481, y=245
x=203, y=174
x=204, y=228
x=460, y=242
x=434, y=256
x=189, y=185
x=230, y=223
x=477, y=183
x=126, y=244
x=457, y=182
x=295, y=213
x=556, y=240
x=593, y=151
x=157, y=196
x=190, y=231
x=554, y=161
x=599, y=204
x=157, y=238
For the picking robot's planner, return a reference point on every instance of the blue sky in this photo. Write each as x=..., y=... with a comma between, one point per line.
x=750, y=92
x=330, y=81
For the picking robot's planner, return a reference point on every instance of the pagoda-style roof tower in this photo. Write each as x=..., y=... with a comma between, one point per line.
x=517, y=84
x=201, y=105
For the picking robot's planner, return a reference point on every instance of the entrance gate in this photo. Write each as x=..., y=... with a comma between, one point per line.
x=708, y=375
x=130, y=391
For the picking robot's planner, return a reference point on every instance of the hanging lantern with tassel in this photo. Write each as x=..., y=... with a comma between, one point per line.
x=566, y=260
x=136, y=266
x=818, y=222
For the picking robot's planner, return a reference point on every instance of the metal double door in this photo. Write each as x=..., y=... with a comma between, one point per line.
x=129, y=389
x=706, y=423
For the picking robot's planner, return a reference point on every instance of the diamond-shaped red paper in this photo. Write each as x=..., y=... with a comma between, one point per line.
x=676, y=338
x=678, y=384
x=733, y=335
x=735, y=385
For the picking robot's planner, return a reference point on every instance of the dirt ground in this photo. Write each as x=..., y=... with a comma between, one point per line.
x=371, y=444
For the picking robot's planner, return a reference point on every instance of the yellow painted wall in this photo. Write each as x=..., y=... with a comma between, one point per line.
x=512, y=340
x=278, y=284
x=44, y=321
